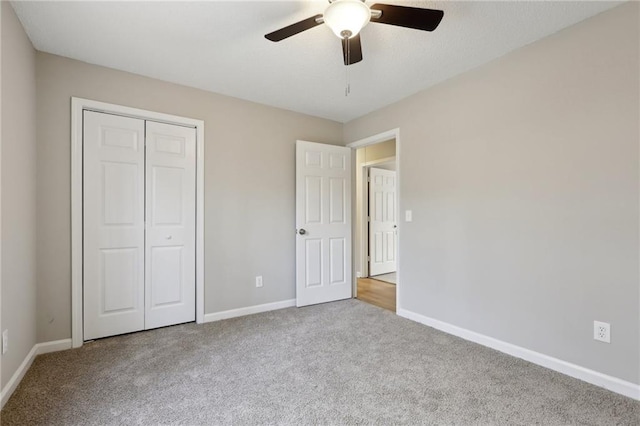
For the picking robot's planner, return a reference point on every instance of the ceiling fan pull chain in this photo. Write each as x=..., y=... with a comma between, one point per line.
x=347, y=89
x=347, y=85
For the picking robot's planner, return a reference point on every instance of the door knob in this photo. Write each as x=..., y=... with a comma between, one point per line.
x=168, y=237
x=302, y=231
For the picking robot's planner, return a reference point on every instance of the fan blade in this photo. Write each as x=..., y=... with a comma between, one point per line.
x=351, y=50
x=409, y=17
x=294, y=29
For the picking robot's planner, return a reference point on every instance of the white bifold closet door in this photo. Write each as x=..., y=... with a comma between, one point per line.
x=170, y=258
x=138, y=224
x=113, y=225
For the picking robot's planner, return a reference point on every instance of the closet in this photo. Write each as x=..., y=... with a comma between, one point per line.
x=139, y=224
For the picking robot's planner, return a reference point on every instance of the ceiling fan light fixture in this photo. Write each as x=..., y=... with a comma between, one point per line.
x=347, y=17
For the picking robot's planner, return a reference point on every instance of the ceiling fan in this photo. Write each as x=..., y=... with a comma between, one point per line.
x=347, y=17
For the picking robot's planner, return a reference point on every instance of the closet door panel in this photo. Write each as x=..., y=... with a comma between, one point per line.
x=113, y=232
x=170, y=224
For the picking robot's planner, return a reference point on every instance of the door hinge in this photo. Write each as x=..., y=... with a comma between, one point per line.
x=368, y=218
x=368, y=179
x=368, y=258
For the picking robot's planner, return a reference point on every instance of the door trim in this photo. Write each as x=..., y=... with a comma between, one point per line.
x=78, y=105
x=372, y=140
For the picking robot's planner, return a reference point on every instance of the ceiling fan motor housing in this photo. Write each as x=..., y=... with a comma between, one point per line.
x=347, y=17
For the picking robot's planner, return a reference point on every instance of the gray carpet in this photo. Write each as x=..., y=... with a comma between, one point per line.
x=338, y=363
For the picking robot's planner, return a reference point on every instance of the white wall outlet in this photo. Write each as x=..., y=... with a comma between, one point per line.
x=602, y=331
x=259, y=281
x=408, y=216
x=5, y=341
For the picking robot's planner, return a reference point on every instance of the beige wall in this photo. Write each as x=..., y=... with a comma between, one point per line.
x=378, y=151
x=249, y=184
x=18, y=192
x=522, y=176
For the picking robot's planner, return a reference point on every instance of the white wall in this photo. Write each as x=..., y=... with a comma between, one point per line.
x=18, y=191
x=249, y=184
x=523, y=180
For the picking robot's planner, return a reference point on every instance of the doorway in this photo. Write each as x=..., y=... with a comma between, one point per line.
x=377, y=225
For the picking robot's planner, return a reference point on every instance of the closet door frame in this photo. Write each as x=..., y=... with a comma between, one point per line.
x=78, y=105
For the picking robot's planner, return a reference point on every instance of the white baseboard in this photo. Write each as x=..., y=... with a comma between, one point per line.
x=53, y=346
x=256, y=309
x=611, y=383
x=38, y=348
x=18, y=375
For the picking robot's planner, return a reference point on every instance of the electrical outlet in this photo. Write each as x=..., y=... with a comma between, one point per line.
x=5, y=341
x=602, y=331
x=259, y=281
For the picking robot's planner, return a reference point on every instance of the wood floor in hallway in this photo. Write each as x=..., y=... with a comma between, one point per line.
x=377, y=293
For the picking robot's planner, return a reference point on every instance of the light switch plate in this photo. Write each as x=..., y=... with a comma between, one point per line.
x=408, y=215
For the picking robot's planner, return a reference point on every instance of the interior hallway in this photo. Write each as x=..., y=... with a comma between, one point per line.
x=378, y=293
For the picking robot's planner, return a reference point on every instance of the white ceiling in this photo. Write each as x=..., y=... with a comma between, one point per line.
x=220, y=46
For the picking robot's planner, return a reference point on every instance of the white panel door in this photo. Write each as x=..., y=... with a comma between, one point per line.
x=323, y=223
x=170, y=225
x=113, y=235
x=382, y=221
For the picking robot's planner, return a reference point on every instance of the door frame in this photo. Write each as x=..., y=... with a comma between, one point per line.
x=78, y=105
x=361, y=143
